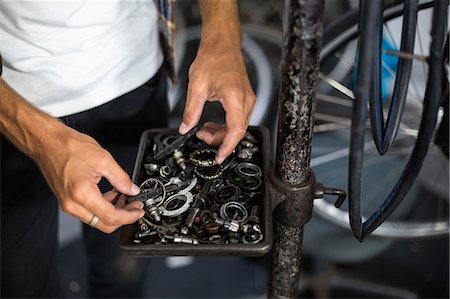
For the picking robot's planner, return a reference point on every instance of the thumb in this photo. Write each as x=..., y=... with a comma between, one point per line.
x=119, y=179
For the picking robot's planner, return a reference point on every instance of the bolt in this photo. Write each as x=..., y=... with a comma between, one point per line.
x=148, y=233
x=246, y=143
x=232, y=226
x=142, y=225
x=246, y=153
x=179, y=158
x=185, y=240
x=151, y=225
x=165, y=171
x=153, y=213
x=152, y=167
x=254, y=215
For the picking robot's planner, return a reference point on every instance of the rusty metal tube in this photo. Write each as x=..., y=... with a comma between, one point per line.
x=294, y=181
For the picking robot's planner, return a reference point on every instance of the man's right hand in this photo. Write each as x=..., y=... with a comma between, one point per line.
x=72, y=163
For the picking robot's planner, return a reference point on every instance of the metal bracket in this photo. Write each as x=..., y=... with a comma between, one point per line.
x=295, y=201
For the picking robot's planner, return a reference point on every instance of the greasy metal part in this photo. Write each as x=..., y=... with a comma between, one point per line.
x=142, y=225
x=227, y=225
x=200, y=220
x=233, y=210
x=214, y=172
x=293, y=182
x=199, y=202
x=153, y=213
x=168, y=211
x=247, y=153
x=227, y=193
x=178, y=142
x=179, y=158
x=248, y=169
x=185, y=240
x=203, y=157
x=254, y=215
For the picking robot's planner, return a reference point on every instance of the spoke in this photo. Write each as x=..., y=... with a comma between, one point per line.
x=338, y=154
x=406, y=55
x=329, y=127
x=334, y=100
x=337, y=85
x=341, y=57
x=391, y=72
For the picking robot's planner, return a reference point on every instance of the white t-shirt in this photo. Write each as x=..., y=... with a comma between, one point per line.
x=70, y=56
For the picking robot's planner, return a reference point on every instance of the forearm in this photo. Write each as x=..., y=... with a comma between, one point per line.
x=220, y=23
x=218, y=74
x=27, y=127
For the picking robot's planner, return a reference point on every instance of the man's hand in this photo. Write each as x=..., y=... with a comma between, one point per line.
x=218, y=74
x=76, y=166
x=72, y=163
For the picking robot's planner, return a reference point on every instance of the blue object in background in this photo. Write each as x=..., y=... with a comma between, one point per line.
x=389, y=65
x=389, y=68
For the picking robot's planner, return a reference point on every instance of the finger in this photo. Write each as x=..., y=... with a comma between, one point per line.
x=111, y=195
x=83, y=214
x=111, y=216
x=121, y=201
x=211, y=136
x=134, y=205
x=118, y=178
x=193, y=109
x=230, y=141
x=236, y=122
x=213, y=125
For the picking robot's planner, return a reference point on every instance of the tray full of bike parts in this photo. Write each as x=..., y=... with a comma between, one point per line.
x=193, y=206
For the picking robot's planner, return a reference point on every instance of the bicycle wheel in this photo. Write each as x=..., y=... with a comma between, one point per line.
x=333, y=119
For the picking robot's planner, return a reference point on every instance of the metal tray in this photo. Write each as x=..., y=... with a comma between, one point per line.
x=170, y=249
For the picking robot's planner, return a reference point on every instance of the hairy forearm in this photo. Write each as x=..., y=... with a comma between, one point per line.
x=27, y=127
x=220, y=23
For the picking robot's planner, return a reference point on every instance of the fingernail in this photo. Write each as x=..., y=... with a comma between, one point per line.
x=135, y=190
x=219, y=159
x=142, y=214
x=183, y=129
x=140, y=205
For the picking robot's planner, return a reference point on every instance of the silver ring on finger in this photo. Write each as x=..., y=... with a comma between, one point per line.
x=94, y=221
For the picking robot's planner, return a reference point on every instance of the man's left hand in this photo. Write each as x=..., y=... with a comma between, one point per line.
x=218, y=74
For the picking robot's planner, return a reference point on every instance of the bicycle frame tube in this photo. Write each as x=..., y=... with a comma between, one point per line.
x=293, y=182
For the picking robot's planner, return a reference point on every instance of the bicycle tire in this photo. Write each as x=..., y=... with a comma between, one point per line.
x=338, y=33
